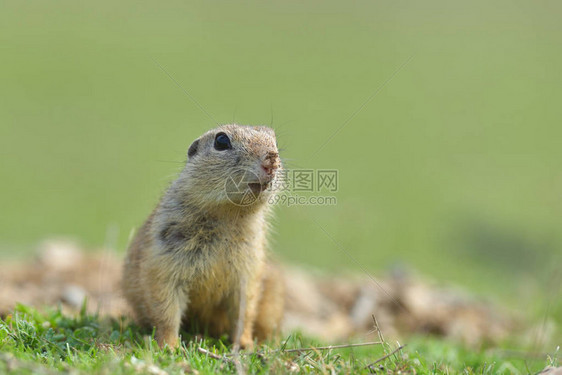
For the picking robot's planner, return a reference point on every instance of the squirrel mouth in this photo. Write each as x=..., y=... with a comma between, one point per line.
x=257, y=187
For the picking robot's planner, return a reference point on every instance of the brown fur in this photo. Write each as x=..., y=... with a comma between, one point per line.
x=201, y=252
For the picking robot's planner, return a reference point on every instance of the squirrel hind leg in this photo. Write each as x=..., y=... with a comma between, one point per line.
x=271, y=304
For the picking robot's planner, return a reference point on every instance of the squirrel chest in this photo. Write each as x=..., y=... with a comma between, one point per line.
x=210, y=258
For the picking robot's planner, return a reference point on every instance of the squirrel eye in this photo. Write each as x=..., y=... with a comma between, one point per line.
x=222, y=142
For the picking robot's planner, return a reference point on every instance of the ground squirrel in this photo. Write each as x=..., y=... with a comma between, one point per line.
x=200, y=257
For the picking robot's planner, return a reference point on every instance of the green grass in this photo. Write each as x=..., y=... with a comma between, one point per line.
x=49, y=342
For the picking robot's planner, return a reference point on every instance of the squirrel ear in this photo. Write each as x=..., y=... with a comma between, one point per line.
x=193, y=148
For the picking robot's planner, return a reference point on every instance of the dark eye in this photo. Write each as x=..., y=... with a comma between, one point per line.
x=222, y=142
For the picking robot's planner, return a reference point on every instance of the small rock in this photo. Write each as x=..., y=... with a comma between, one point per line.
x=59, y=255
x=74, y=295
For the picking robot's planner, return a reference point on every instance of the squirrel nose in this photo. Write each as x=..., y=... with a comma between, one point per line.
x=270, y=163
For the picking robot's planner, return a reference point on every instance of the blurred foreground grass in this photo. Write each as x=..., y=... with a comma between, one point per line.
x=452, y=168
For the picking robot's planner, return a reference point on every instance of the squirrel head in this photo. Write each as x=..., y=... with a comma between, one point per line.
x=232, y=165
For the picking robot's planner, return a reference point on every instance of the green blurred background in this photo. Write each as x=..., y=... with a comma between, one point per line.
x=453, y=168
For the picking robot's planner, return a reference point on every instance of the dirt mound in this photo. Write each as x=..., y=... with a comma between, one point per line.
x=330, y=308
